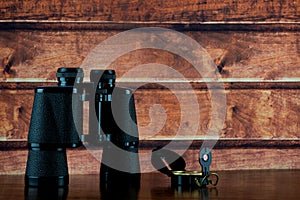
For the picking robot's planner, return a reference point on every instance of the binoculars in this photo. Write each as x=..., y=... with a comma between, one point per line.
x=57, y=124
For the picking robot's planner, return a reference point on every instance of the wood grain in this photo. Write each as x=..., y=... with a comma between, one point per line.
x=250, y=114
x=82, y=162
x=152, y=10
x=254, y=45
x=6, y=59
x=262, y=55
x=15, y=113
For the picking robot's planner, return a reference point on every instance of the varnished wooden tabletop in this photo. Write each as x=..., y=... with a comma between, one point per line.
x=267, y=184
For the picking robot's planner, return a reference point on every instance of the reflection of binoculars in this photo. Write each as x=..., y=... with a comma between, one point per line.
x=57, y=124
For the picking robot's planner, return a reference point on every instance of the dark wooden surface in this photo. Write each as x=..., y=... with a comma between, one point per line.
x=283, y=184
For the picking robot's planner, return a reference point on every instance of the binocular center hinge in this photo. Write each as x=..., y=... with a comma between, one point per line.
x=103, y=97
x=85, y=97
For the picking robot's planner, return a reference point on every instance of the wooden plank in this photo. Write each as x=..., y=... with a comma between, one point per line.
x=262, y=55
x=228, y=84
x=224, y=83
x=278, y=26
x=29, y=84
x=222, y=143
x=82, y=162
x=250, y=114
x=152, y=10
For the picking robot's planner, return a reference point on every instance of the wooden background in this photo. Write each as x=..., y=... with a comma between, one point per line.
x=254, y=44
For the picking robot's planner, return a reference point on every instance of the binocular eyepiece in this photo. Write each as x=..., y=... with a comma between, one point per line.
x=57, y=124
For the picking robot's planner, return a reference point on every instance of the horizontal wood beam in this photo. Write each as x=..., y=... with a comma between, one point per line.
x=191, y=144
x=227, y=84
x=57, y=25
x=151, y=10
x=237, y=55
x=248, y=113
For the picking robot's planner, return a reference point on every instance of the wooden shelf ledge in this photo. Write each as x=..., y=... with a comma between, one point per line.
x=193, y=144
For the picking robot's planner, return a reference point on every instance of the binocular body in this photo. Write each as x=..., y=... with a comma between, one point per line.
x=57, y=124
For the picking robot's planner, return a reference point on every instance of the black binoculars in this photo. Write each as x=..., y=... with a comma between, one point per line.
x=57, y=124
